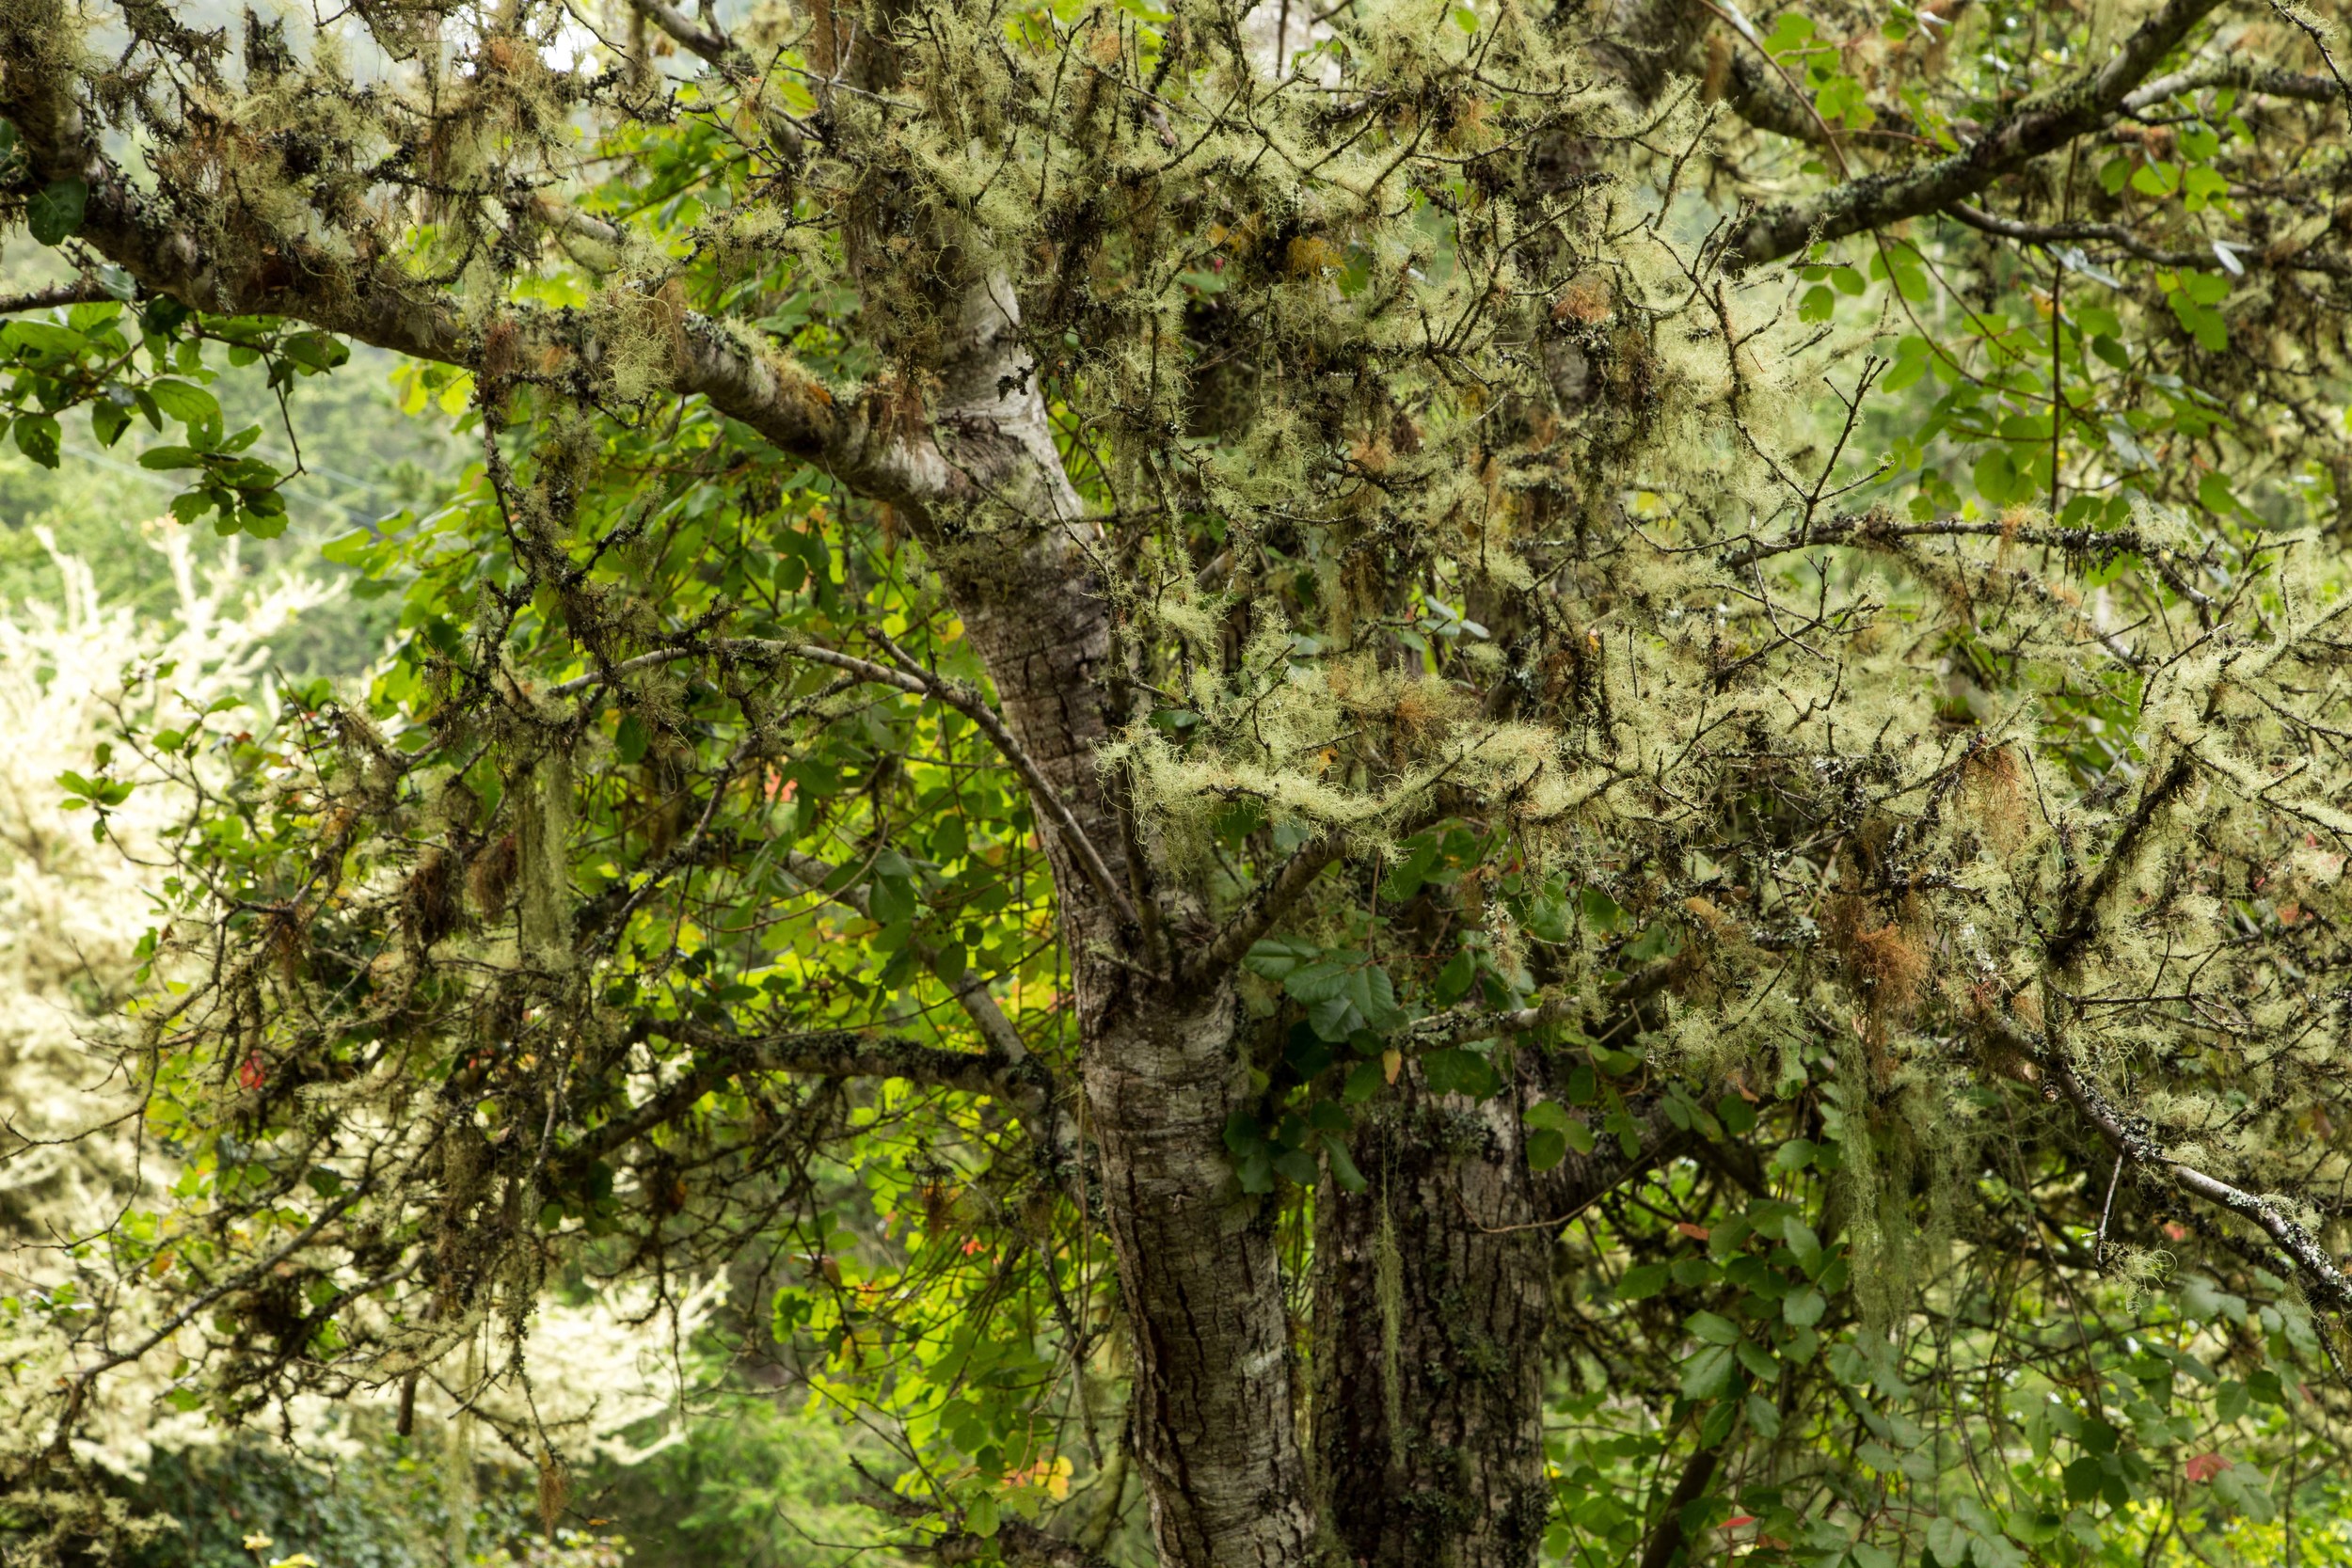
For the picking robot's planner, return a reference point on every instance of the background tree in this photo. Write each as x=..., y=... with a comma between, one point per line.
x=1176, y=722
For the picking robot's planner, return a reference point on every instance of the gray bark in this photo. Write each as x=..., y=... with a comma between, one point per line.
x=1432, y=1291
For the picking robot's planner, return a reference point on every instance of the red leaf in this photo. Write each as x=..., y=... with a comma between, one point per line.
x=1696, y=1232
x=253, y=1074
x=2205, y=1466
x=1734, y=1524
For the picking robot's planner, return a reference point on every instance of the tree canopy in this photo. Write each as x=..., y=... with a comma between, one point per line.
x=1420, y=783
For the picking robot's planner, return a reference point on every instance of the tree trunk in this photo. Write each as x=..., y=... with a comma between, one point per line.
x=1213, y=1419
x=1432, y=1290
x=1216, y=1430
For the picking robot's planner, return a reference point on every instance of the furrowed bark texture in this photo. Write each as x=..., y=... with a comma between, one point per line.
x=1432, y=1291
x=1203, y=1284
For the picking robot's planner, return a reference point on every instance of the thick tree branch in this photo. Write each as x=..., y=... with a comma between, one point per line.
x=2039, y=125
x=1277, y=893
x=1667, y=1537
x=850, y=1053
x=1881, y=528
x=712, y=45
x=2079, y=919
x=1457, y=1025
x=2244, y=78
x=368, y=294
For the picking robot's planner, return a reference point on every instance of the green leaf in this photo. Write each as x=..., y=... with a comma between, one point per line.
x=1804, y=1308
x=1277, y=956
x=46, y=340
x=1454, y=980
x=1995, y=477
x=1342, y=1164
x=1948, y=1540
x=37, y=438
x=1709, y=1373
x=108, y=421
x=56, y=211
x=1459, y=1071
x=1642, y=1281
x=2241, y=1486
x=1804, y=1242
x=1655, y=942
x=1714, y=1329
x=1298, y=1165
x=1243, y=1133
x=2213, y=494
x=191, y=405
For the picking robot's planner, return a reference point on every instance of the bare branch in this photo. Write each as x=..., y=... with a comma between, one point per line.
x=83, y=292
x=2244, y=78
x=2309, y=1257
x=2133, y=244
x=850, y=1053
x=711, y=43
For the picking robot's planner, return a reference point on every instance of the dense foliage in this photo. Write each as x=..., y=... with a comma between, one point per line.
x=1419, y=784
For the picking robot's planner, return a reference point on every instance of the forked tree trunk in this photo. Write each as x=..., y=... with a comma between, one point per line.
x=1431, y=1290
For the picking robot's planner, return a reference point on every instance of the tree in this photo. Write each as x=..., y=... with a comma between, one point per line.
x=1180, y=721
